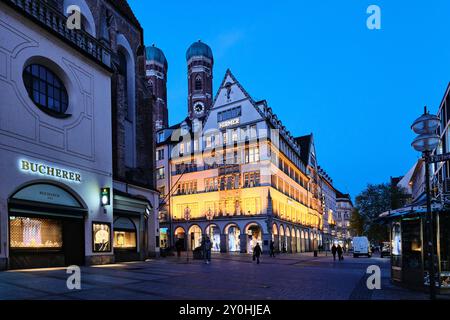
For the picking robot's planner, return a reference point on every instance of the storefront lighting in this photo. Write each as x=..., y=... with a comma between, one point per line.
x=105, y=196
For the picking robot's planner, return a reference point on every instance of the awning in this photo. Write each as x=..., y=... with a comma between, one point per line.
x=418, y=207
x=130, y=205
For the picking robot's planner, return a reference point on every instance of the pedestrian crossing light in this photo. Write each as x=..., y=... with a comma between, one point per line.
x=105, y=196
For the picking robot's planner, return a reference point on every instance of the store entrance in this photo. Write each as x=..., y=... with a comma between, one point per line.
x=73, y=242
x=46, y=228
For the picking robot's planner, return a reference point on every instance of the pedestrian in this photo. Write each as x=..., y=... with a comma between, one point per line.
x=257, y=253
x=340, y=252
x=333, y=251
x=179, y=246
x=207, y=245
x=272, y=249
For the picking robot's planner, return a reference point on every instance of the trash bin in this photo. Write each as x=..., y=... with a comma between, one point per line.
x=315, y=253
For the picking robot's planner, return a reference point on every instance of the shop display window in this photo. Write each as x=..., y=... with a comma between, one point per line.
x=101, y=236
x=124, y=240
x=35, y=233
x=444, y=233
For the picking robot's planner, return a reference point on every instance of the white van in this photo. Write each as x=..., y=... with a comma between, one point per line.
x=361, y=247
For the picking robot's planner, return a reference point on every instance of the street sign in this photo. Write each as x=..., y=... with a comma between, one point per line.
x=440, y=158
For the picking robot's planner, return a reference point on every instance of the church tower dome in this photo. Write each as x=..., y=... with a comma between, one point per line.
x=200, y=61
x=156, y=77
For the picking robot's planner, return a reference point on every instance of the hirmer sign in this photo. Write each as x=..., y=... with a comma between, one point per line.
x=49, y=171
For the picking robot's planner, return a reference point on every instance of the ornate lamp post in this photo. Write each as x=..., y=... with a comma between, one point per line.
x=426, y=142
x=209, y=215
x=187, y=217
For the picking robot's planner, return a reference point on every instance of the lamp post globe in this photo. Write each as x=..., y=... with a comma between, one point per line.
x=426, y=142
x=426, y=123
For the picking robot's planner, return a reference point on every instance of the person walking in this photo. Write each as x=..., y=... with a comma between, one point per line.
x=334, y=251
x=340, y=252
x=207, y=245
x=257, y=253
x=272, y=249
x=179, y=247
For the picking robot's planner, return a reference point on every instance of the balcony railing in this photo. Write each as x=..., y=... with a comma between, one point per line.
x=56, y=22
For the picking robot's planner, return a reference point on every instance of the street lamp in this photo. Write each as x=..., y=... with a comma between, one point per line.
x=187, y=217
x=209, y=215
x=427, y=141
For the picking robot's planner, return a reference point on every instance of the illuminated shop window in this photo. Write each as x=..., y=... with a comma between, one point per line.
x=101, y=236
x=125, y=236
x=35, y=233
x=124, y=239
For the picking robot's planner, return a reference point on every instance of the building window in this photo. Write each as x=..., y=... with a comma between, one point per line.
x=125, y=235
x=234, y=135
x=160, y=173
x=160, y=136
x=229, y=114
x=187, y=187
x=252, y=155
x=159, y=154
x=35, y=233
x=101, y=237
x=46, y=90
x=162, y=192
x=251, y=179
x=198, y=83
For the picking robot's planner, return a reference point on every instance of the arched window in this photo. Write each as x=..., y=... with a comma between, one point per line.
x=123, y=71
x=198, y=83
x=46, y=89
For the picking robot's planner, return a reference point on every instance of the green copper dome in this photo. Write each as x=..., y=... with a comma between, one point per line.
x=156, y=54
x=199, y=49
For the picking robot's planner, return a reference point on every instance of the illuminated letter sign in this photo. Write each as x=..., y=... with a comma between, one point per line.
x=229, y=123
x=49, y=171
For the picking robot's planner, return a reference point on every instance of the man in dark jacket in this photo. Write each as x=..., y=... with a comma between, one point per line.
x=272, y=249
x=333, y=251
x=179, y=247
x=257, y=253
x=340, y=252
x=207, y=245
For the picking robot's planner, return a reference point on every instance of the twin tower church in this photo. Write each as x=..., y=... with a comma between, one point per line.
x=266, y=185
x=200, y=63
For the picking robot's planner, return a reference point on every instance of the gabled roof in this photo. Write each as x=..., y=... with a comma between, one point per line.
x=124, y=8
x=228, y=73
x=343, y=197
x=305, y=143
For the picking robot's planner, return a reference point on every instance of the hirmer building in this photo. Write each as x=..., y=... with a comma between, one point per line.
x=232, y=171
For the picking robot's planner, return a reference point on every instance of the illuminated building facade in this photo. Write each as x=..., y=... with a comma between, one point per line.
x=232, y=171
x=329, y=209
x=77, y=184
x=344, y=210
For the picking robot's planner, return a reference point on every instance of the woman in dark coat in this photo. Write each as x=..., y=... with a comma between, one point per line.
x=333, y=251
x=257, y=253
x=339, y=251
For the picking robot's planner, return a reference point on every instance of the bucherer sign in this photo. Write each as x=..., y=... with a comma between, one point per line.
x=48, y=171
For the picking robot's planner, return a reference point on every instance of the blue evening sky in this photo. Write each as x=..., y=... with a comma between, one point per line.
x=320, y=69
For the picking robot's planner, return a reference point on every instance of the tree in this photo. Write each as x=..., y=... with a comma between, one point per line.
x=374, y=200
x=357, y=223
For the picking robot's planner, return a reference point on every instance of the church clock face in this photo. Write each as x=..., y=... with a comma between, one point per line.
x=199, y=108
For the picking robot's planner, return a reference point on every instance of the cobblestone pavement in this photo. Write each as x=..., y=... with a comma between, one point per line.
x=228, y=277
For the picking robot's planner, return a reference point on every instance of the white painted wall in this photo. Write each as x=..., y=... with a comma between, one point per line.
x=80, y=143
